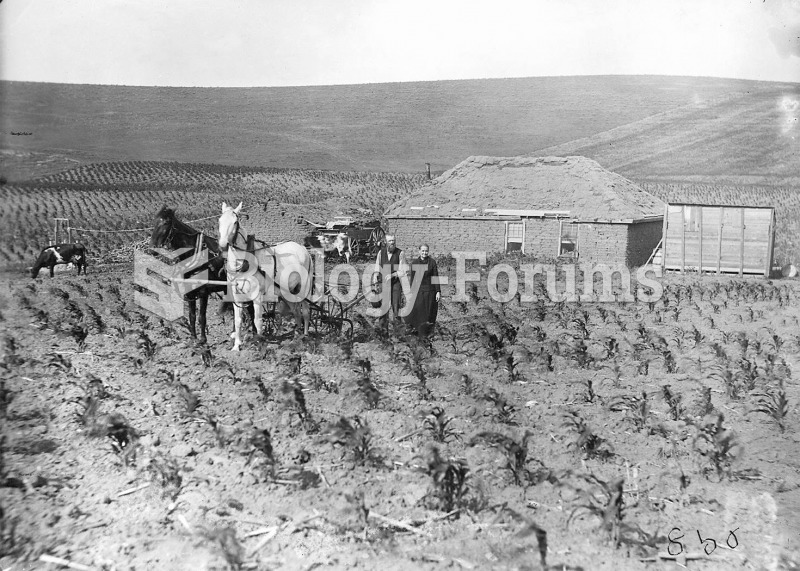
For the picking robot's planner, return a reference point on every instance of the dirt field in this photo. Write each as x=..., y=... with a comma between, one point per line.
x=526, y=436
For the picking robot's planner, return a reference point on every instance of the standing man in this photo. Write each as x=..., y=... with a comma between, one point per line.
x=391, y=264
x=426, y=303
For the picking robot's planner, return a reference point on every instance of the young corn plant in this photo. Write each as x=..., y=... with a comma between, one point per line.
x=190, y=400
x=454, y=341
x=670, y=364
x=413, y=360
x=774, y=403
x=637, y=409
x=589, y=395
x=717, y=444
x=508, y=332
x=79, y=333
x=531, y=528
x=516, y=452
x=439, y=425
x=611, y=348
x=208, y=358
x=748, y=374
x=95, y=387
x=369, y=391
x=355, y=436
x=58, y=363
x=503, y=410
x=147, y=347
x=702, y=405
x=266, y=392
x=587, y=441
x=615, y=372
x=581, y=354
x=674, y=402
x=466, y=384
x=733, y=387
x=260, y=451
x=514, y=368
x=493, y=344
x=317, y=382
x=230, y=373
x=222, y=433
x=89, y=405
x=166, y=472
x=294, y=399
x=604, y=500
x=449, y=479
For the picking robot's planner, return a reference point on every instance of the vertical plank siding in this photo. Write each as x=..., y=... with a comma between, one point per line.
x=721, y=239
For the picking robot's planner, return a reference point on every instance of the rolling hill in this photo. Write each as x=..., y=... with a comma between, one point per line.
x=642, y=126
x=750, y=137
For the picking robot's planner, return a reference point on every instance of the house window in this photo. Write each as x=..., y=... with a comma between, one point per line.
x=515, y=236
x=568, y=242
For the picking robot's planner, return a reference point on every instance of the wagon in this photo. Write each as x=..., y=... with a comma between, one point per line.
x=366, y=238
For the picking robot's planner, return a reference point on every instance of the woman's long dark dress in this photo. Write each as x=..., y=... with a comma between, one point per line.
x=423, y=315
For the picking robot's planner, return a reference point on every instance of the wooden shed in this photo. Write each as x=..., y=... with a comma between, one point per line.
x=718, y=238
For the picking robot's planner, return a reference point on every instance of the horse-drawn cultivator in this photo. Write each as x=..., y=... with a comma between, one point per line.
x=328, y=314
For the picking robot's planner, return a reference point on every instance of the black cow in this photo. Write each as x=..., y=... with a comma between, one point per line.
x=51, y=256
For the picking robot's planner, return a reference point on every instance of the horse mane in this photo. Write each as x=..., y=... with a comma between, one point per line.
x=182, y=226
x=185, y=229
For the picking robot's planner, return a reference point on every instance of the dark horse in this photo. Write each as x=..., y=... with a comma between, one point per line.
x=171, y=233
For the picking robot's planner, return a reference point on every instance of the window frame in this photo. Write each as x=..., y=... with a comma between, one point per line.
x=575, y=238
x=515, y=240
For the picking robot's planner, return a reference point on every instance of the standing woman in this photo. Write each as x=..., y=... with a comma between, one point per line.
x=426, y=305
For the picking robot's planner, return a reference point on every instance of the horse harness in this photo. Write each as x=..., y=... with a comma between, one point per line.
x=250, y=241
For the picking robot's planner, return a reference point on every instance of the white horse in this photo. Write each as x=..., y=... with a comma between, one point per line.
x=285, y=269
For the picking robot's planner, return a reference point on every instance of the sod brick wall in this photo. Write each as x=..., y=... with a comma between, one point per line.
x=275, y=222
x=613, y=244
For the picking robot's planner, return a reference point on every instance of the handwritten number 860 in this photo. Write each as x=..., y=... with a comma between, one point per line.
x=675, y=547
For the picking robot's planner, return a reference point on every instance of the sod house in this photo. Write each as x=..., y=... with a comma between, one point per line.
x=542, y=206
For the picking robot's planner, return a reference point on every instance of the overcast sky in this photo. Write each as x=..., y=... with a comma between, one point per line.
x=321, y=42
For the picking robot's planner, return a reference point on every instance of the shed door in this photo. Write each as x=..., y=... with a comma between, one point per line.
x=515, y=236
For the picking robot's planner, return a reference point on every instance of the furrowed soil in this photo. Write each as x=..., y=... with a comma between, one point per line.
x=526, y=435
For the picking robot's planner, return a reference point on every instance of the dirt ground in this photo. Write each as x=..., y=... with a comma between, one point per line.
x=520, y=438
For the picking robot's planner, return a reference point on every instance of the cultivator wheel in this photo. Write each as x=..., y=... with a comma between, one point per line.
x=328, y=318
x=376, y=239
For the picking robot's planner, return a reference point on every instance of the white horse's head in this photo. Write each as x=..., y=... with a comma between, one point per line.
x=228, y=225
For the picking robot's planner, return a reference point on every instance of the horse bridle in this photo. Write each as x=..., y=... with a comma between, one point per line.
x=172, y=230
x=231, y=275
x=237, y=233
